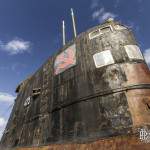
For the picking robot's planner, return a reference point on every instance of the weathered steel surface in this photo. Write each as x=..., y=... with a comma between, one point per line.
x=138, y=99
x=114, y=143
x=83, y=103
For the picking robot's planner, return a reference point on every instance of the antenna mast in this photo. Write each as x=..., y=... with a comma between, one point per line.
x=63, y=29
x=73, y=22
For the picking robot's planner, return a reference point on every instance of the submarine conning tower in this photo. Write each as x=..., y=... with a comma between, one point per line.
x=96, y=88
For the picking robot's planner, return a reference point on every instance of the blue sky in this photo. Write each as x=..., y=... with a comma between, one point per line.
x=30, y=31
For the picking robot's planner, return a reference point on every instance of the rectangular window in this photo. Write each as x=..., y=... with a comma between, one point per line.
x=65, y=60
x=103, y=58
x=36, y=92
x=94, y=34
x=100, y=31
x=119, y=27
x=105, y=29
x=133, y=52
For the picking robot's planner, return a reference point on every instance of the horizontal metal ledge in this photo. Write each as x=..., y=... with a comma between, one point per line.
x=87, y=98
x=103, y=93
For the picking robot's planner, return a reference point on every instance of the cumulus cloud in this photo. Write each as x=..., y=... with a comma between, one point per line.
x=102, y=15
x=15, y=46
x=147, y=56
x=2, y=122
x=6, y=97
x=2, y=125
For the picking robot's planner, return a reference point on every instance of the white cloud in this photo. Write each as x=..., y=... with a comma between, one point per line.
x=15, y=46
x=102, y=15
x=2, y=126
x=147, y=55
x=2, y=122
x=6, y=97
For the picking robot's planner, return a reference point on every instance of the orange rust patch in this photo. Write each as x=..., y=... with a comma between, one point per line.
x=138, y=99
x=137, y=73
x=114, y=143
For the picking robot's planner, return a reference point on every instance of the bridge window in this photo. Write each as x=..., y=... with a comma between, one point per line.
x=94, y=34
x=100, y=31
x=103, y=58
x=133, y=52
x=119, y=27
x=106, y=29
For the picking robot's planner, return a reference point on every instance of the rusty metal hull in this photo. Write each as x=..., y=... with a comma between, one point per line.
x=84, y=103
x=130, y=142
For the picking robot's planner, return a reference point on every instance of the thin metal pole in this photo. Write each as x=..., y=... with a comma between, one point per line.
x=63, y=28
x=73, y=22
